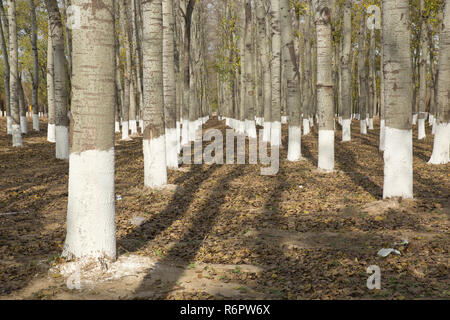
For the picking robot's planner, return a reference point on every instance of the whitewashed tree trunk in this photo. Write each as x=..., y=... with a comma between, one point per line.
x=154, y=144
x=4, y=21
x=250, y=127
x=422, y=73
x=398, y=168
x=442, y=121
x=292, y=72
x=169, y=86
x=275, y=126
x=14, y=75
x=91, y=208
x=264, y=40
x=35, y=78
x=346, y=81
x=325, y=107
x=60, y=80
x=51, y=135
x=127, y=72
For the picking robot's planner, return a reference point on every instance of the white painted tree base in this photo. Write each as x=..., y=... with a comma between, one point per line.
x=346, y=130
x=266, y=131
x=398, y=169
x=433, y=128
x=311, y=122
x=155, y=172
x=306, y=128
x=370, y=123
x=125, y=131
x=326, y=150
x=363, y=127
x=414, y=119
x=259, y=121
x=430, y=119
x=171, y=148
x=250, y=128
x=23, y=125
x=62, y=142
x=294, y=145
x=9, y=122
x=185, y=132
x=133, y=127
x=441, y=144
x=141, y=125
x=16, y=136
x=275, y=133
x=91, y=229
x=117, y=127
x=51, y=133
x=382, y=134
x=284, y=119
x=421, y=128
x=178, y=134
x=35, y=122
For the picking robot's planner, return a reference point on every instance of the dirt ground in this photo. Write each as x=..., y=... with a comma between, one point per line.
x=228, y=232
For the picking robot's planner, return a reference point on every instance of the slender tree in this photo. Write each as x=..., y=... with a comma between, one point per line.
x=346, y=81
x=398, y=169
x=90, y=211
x=60, y=80
x=325, y=107
x=4, y=22
x=154, y=144
x=292, y=73
x=14, y=75
x=169, y=85
x=275, y=127
x=442, y=132
x=51, y=134
x=35, y=77
x=423, y=83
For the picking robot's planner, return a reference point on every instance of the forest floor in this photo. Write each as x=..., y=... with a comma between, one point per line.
x=228, y=232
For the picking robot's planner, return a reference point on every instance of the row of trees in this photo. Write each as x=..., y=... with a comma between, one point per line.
x=298, y=59
x=278, y=60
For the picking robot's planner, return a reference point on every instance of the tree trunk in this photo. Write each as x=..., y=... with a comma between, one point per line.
x=346, y=81
x=169, y=85
x=292, y=72
x=442, y=132
x=363, y=94
x=127, y=72
x=60, y=81
x=307, y=95
x=422, y=73
x=4, y=22
x=35, y=79
x=51, y=134
x=22, y=108
x=398, y=169
x=90, y=211
x=154, y=145
x=250, y=128
x=275, y=127
x=14, y=75
x=264, y=40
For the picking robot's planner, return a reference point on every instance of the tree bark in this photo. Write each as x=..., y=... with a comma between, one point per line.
x=35, y=79
x=90, y=211
x=292, y=72
x=169, y=85
x=398, y=169
x=14, y=75
x=275, y=130
x=60, y=80
x=325, y=108
x=442, y=132
x=154, y=144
